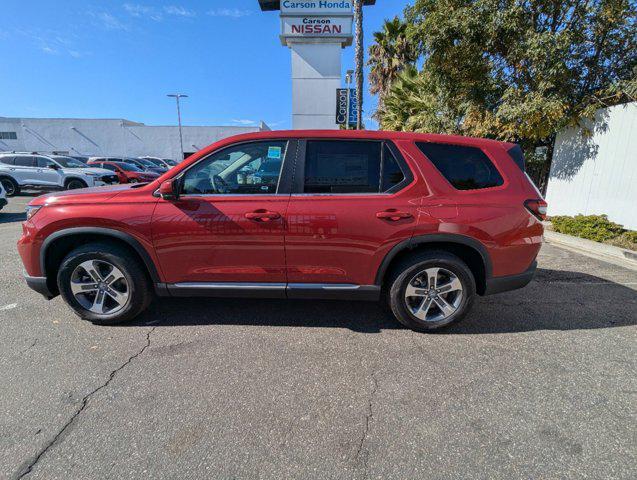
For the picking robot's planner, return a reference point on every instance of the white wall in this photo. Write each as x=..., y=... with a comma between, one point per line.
x=316, y=74
x=597, y=174
x=109, y=137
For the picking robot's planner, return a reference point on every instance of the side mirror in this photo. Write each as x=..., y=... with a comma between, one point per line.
x=169, y=190
x=54, y=166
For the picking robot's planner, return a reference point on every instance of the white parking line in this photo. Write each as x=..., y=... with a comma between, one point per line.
x=8, y=307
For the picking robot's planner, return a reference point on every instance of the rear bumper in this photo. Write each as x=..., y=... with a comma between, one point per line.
x=510, y=282
x=39, y=285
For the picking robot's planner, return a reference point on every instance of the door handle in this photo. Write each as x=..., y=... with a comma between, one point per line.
x=393, y=215
x=263, y=215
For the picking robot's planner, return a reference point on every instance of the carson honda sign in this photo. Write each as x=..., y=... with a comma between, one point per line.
x=316, y=19
x=321, y=7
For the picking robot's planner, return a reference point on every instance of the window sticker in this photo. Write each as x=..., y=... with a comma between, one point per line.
x=274, y=153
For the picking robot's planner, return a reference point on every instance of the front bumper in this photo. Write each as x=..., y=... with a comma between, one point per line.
x=39, y=284
x=510, y=282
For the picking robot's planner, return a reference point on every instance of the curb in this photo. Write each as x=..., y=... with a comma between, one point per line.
x=601, y=251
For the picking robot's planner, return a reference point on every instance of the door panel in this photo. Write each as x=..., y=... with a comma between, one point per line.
x=338, y=229
x=46, y=175
x=340, y=239
x=210, y=239
x=229, y=223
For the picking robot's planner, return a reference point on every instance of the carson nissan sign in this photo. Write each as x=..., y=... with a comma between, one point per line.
x=316, y=6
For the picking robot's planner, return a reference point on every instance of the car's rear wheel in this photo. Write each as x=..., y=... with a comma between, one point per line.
x=74, y=184
x=10, y=186
x=104, y=283
x=431, y=290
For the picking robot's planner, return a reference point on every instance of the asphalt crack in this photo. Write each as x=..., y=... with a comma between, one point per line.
x=28, y=466
x=362, y=452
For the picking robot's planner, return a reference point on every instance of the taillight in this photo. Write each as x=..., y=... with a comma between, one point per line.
x=537, y=207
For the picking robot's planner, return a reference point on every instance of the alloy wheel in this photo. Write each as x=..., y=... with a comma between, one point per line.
x=433, y=295
x=100, y=287
x=9, y=188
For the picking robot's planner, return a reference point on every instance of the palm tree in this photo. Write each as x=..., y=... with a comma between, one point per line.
x=388, y=56
x=360, y=59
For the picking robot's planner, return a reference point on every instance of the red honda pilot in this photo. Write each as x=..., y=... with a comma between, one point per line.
x=422, y=222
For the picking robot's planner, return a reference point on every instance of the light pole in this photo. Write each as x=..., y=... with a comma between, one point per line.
x=177, y=96
x=348, y=82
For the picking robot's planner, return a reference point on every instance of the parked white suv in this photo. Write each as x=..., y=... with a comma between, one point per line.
x=3, y=197
x=20, y=170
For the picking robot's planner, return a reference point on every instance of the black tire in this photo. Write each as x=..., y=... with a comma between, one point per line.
x=75, y=183
x=409, y=268
x=10, y=186
x=140, y=289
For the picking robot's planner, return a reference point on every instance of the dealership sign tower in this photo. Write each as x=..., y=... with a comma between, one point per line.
x=315, y=31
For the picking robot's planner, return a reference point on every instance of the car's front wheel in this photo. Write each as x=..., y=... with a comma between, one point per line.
x=10, y=186
x=431, y=290
x=75, y=184
x=104, y=283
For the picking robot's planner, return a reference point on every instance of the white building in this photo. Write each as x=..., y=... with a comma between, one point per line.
x=108, y=137
x=594, y=168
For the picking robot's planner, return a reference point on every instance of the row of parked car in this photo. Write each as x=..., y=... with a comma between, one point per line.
x=19, y=170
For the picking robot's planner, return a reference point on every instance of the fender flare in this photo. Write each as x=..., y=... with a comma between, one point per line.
x=452, y=238
x=106, y=232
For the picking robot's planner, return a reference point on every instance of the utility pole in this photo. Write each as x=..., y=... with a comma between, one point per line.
x=177, y=96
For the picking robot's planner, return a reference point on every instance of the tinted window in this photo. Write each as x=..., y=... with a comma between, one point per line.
x=24, y=161
x=43, y=162
x=7, y=160
x=392, y=174
x=333, y=166
x=466, y=168
x=108, y=167
x=248, y=168
x=518, y=157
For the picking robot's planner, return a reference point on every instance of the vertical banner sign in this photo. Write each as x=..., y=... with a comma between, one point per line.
x=353, y=110
x=341, y=106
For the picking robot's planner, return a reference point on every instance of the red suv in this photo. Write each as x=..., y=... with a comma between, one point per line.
x=424, y=222
x=126, y=172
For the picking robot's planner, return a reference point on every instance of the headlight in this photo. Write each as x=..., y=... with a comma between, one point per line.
x=32, y=211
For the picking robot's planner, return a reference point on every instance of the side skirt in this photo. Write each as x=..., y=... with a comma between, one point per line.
x=323, y=291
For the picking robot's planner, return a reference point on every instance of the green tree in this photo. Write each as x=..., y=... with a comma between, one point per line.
x=390, y=54
x=515, y=70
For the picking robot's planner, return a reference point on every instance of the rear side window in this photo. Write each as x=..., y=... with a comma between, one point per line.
x=24, y=161
x=7, y=160
x=335, y=166
x=466, y=168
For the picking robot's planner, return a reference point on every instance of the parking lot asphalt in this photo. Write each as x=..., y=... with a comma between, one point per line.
x=536, y=383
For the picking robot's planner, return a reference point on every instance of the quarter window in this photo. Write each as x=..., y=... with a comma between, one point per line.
x=7, y=160
x=466, y=168
x=249, y=168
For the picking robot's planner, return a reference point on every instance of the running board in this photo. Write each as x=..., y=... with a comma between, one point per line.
x=326, y=291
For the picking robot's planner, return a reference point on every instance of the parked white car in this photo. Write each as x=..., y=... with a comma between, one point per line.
x=3, y=197
x=20, y=170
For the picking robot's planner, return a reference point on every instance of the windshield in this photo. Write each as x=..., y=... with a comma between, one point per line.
x=129, y=167
x=68, y=162
x=146, y=163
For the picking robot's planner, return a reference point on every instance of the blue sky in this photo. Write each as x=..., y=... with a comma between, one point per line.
x=119, y=59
